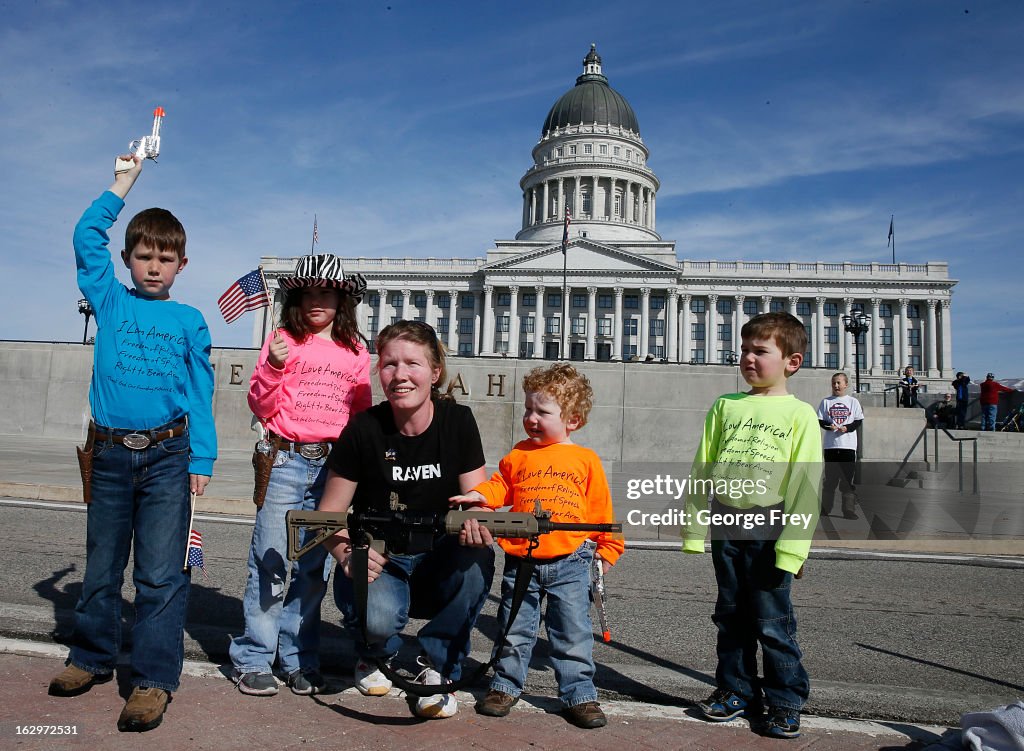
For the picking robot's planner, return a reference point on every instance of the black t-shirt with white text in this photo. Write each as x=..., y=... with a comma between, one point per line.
x=423, y=469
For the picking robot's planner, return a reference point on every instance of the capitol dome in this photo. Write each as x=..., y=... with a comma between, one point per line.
x=591, y=101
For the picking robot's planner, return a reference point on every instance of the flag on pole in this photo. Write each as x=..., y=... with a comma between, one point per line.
x=565, y=231
x=316, y=235
x=248, y=293
x=890, y=230
x=194, y=557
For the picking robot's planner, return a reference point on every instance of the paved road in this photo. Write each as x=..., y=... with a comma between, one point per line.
x=889, y=638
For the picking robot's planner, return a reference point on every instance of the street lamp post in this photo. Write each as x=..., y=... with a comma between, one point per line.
x=86, y=310
x=857, y=324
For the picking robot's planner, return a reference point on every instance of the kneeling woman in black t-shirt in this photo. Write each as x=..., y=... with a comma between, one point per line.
x=415, y=450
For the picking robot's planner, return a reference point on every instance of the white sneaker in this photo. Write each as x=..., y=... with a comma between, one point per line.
x=370, y=680
x=438, y=706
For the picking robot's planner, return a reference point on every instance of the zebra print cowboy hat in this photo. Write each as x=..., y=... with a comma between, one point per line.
x=324, y=270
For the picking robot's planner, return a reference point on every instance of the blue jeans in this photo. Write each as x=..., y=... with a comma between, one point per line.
x=988, y=416
x=566, y=584
x=459, y=578
x=276, y=623
x=961, y=413
x=754, y=608
x=141, y=496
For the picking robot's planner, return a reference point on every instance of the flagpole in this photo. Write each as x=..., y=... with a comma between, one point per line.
x=892, y=236
x=273, y=302
x=565, y=303
x=191, y=517
x=892, y=229
x=313, y=243
x=565, y=286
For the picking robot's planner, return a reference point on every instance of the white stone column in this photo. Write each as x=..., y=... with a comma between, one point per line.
x=766, y=303
x=903, y=355
x=382, y=299
x=406, y=297
x=546, y=211
x=617, y=349
x=645, y=322
x=711, y=329
x=672, y=325
x=793, y=300
x=428, y=313
x=874, y=366
x=851, y=345
x=477, y=328
x=561, y=199
x=931, y=362
x=591, y=353
x=946, y=366
x=538, y=323
x=684, y=302
x=654, y=209
x=737, y=323
x=819, y=332
x=513, y=322
x=453, y=322
x=577, y=200
x=487, y=346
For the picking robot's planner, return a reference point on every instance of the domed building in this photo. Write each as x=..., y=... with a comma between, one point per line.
x=619, y=292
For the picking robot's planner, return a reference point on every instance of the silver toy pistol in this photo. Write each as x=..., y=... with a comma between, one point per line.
x=147, y=147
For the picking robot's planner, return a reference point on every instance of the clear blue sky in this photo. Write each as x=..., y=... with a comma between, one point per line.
x=779, y=130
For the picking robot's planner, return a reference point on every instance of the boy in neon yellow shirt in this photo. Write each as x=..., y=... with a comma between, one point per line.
x=759, y=461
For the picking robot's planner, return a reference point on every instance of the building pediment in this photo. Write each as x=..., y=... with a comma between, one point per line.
x=582, y=255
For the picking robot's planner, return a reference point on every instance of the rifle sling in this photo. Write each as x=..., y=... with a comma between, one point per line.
x=360, y=586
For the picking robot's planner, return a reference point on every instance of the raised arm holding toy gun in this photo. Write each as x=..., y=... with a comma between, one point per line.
x=147, y=147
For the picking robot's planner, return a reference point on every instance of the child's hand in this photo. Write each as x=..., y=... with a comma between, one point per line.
x=277, y=352
x=472, y=498
x=197, y=483
x=605, y=566
x=123, y=181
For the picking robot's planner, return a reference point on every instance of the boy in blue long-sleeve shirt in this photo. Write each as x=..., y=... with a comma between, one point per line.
x=152, y=443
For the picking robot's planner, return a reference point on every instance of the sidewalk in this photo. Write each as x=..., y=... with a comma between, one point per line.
x=209, y=713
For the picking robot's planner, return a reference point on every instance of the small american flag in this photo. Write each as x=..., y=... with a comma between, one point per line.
x=565, y=232
x=195, y=551
x=316, y=235
x=248, y=293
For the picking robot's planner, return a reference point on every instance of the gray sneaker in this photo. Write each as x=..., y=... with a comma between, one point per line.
x=257, y=684
x=306, y=682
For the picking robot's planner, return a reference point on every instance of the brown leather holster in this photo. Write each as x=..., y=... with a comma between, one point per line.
x=262, y=463
x=85, y=462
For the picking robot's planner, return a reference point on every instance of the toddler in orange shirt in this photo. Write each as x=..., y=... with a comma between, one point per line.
x=545, y=473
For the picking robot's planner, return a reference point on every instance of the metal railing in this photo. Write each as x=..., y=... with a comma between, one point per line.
x=960, y=455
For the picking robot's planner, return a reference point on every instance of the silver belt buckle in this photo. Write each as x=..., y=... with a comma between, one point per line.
x=136, y=441
x=312, y=451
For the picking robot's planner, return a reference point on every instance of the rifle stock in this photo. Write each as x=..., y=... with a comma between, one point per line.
x=412, y=532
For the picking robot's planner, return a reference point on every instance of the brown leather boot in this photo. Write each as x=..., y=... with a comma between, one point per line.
x=587, y=715
x=74, y=681
x=144, y=710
